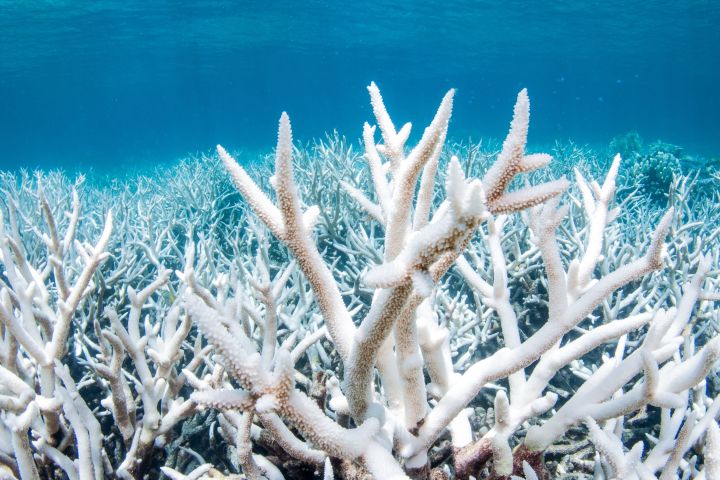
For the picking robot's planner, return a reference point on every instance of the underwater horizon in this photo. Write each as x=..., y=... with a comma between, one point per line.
x=114, y=85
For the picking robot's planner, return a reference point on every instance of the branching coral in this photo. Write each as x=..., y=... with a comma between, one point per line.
x=418, y=252
x=435, y=318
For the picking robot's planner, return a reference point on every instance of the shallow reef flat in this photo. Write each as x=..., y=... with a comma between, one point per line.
x=371, y=310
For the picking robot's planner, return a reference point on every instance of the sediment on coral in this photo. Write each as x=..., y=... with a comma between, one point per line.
x=373, y=311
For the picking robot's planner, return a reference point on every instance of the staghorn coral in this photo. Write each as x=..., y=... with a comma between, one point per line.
x=407, y=278
x=409, y=327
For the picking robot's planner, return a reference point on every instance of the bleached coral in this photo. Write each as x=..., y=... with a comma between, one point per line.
x=390, y=330
x=416, y=255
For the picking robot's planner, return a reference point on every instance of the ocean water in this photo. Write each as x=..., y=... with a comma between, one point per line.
x=125, y=84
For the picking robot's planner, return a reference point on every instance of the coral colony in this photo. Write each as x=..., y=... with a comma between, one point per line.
x=439, y=317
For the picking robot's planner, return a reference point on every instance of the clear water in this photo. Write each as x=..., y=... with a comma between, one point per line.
x=111, y=84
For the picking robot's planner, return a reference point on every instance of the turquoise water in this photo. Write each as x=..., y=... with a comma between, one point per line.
x=121, y=84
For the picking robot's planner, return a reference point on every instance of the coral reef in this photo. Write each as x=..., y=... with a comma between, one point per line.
x=396, y=313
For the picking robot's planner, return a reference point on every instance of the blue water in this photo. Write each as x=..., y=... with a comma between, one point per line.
x=121, y=84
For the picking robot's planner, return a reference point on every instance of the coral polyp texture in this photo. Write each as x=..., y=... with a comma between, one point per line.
x=428, y=312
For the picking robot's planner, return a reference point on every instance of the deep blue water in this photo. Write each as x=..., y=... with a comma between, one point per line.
x=122, y=84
